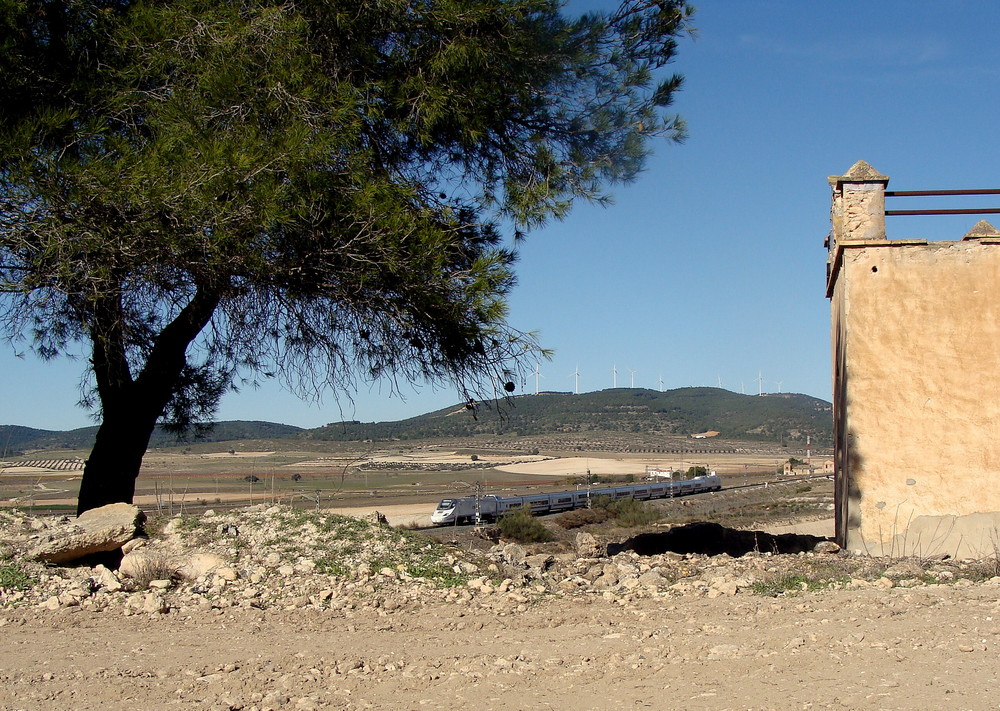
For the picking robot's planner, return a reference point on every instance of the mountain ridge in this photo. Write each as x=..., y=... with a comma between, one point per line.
x=784, y=417
x=683, y=411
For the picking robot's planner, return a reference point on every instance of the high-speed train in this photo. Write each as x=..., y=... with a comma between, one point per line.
x=490, y=507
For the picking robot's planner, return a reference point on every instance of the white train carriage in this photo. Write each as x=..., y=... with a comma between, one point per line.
x=490, y=507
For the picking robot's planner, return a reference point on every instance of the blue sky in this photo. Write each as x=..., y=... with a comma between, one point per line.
x=711, y=266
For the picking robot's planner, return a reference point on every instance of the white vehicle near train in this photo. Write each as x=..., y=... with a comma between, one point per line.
x=468, y=509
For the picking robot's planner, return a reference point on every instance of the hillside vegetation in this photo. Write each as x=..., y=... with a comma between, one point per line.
x=684, y=411
x=787, y=418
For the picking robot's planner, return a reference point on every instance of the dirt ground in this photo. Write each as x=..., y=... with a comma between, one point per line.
x=932, y=647
x=926, y=647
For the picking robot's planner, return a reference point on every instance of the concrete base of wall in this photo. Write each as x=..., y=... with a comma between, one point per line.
x=971, y=536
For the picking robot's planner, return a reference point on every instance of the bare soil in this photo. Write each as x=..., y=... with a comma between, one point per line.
x=925, y=648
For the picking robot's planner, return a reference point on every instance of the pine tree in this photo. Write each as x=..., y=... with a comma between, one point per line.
x=209, y=191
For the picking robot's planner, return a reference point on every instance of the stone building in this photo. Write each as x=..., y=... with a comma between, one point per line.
x=916, y=375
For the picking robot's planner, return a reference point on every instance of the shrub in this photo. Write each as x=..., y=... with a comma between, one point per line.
x=777, y=585
x=582, y=517
x=519, y=525
x=150, y=567
x=13, y=577
x=628, y=512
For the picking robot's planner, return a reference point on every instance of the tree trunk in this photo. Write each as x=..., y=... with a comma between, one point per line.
x=131, y=406
x=113, y=465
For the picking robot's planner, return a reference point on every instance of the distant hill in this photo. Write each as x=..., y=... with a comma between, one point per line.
x=685, y=411
x=13, y=438
x=16, y=439
x=782, y=417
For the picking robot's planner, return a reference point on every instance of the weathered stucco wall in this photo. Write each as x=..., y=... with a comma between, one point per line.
x=916, y=373
x=921, y=397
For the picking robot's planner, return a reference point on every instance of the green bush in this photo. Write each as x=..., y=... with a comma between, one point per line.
x=13, y=577
x=519, y=525
x=627, y=512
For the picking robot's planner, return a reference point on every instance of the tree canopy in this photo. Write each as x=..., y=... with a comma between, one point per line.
x=201, y=191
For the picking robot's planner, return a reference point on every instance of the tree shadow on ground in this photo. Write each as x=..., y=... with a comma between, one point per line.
x=713, y=539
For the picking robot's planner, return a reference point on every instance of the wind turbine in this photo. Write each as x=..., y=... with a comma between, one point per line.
x=632, y=377
x=661, y=383
x=576, y=374
x=537, y=376
x=779, y=385
x=719, y=379
x=760, y=383
x=614, y=375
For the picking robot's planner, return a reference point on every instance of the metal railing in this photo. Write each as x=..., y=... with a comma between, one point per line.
x=938, y=193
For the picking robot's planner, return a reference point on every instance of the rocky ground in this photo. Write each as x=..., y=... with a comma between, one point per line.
x=276, y=608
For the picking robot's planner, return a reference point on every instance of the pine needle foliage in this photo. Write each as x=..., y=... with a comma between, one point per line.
x=206, y=192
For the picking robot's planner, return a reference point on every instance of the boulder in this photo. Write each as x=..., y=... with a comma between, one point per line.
x=513, y=554
x=198, y=564
x=587, y=546
x=99, y=530
x=539, y=562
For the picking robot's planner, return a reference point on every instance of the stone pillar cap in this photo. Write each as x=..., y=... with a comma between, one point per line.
x=860, y=172
x=982, y=229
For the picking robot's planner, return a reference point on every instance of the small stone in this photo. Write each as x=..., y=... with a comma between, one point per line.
x=154, y=604
x=726, y=587
x=826, y=547
x=652, y=579
x=106, y=579
x=227, y=573
x=134, y=544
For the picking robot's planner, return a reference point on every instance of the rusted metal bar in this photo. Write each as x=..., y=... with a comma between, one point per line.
x=931, y=193
x=983, y=211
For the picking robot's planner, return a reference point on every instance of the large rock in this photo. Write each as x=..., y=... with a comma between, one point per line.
x=513, y=554
x=198, y=564
x=99, y=530
x=588, y=547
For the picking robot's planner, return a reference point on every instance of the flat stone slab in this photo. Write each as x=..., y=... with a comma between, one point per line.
x=99, y=530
